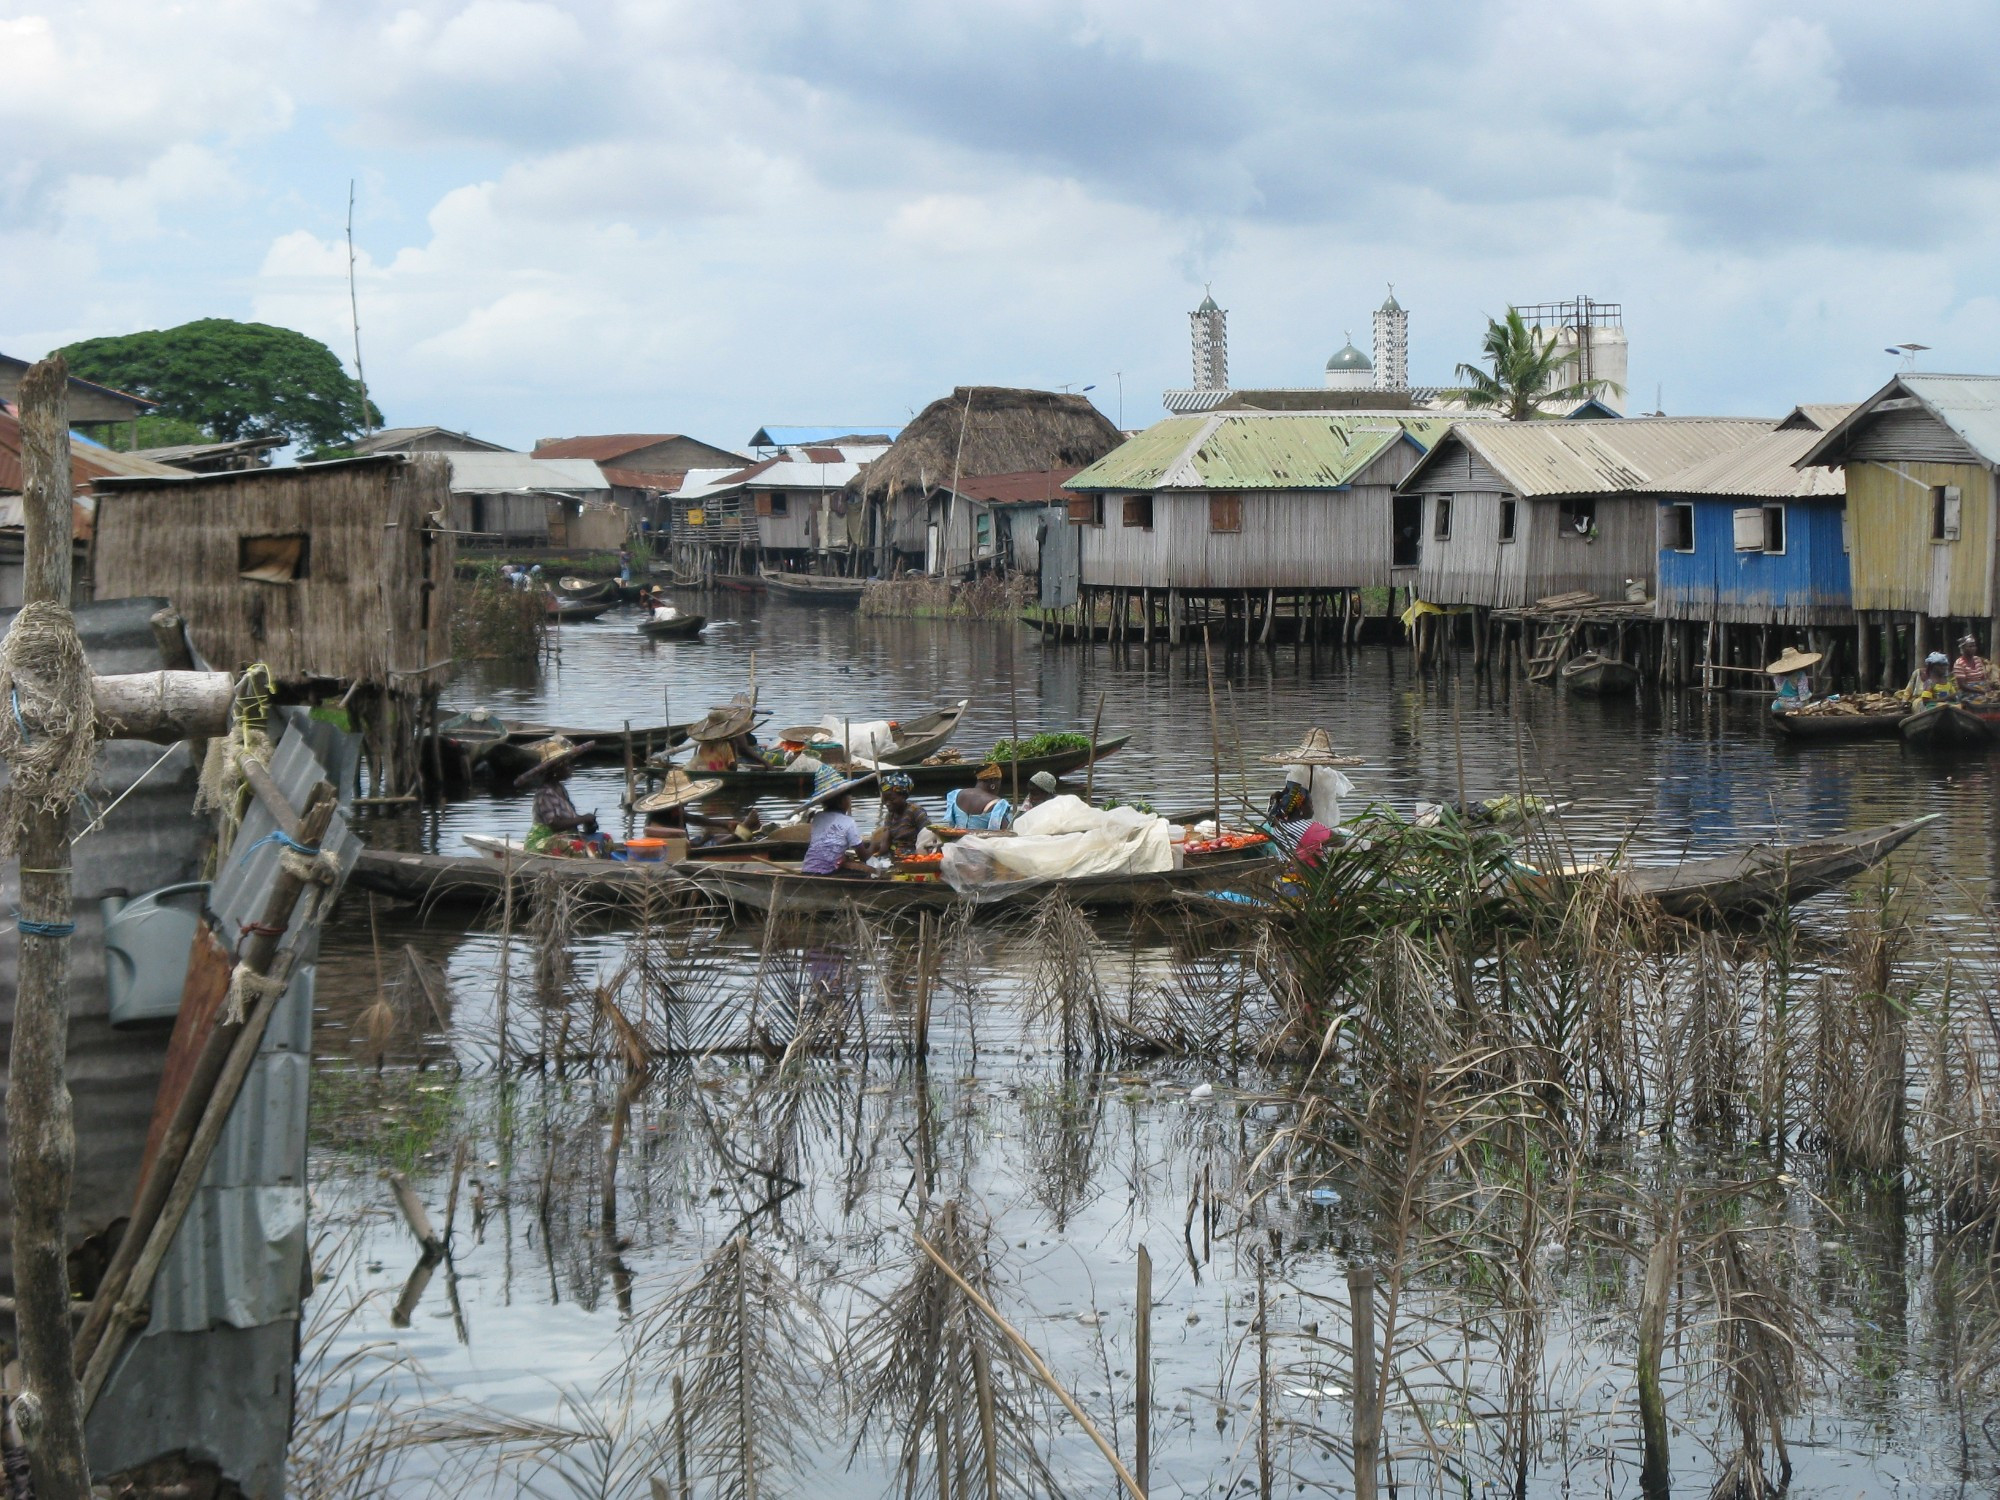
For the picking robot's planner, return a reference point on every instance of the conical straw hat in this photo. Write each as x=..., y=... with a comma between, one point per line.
x=678, y=788
x=550, y=753
x=1794, y=660
x=1316, y=749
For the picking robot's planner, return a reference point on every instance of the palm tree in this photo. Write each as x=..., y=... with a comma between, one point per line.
x=1526, y=366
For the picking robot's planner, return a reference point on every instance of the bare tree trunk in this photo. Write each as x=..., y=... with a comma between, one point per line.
x=41, y=1139
x=1654, y=1476
x=1367, y=1411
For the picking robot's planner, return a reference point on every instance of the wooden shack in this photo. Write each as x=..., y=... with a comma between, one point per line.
x=1919, y=458
x=905, y=506
x=1510, y=512
x=1238, y=508
x=336, y=576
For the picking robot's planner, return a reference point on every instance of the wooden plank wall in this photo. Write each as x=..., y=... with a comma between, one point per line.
x=1896, y=564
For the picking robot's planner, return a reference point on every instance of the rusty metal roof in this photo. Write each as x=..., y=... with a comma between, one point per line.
x=1242, y=450
x=603, y=448
x=1596, y=457
x=1764, y=468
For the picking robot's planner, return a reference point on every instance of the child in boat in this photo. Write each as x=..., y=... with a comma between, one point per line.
x=903, y=821
x=836, y=837
x=979, y=805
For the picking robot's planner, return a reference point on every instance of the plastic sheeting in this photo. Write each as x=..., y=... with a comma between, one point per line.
x=1326, y=786
x=1063, y=839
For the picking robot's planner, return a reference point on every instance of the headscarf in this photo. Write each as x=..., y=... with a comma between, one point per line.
x=897, y=781
x=989, y=772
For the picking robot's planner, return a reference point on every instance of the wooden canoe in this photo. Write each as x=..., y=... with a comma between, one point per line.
x=923, y=736
x=760, y=886
x=565, y=611
x=1946, y=726
x=807, y=588
x=678, y=627
x=1761, y=878
x=1794, y=725
x=590, y=590
x=776, y=782
x=477, y=879
x=1598, y=676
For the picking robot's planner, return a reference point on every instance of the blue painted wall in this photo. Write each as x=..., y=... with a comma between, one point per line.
x=1808, y=584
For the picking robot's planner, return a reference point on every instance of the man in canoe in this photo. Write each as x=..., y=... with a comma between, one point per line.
x=1042, y=787
x=903, y=821
x=980, y=805
x=1791, y=679
x=558, y=828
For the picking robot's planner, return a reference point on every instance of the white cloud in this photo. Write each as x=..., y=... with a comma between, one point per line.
x=605, y=214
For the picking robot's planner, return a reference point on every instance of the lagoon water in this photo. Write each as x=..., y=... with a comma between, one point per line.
x=1073, y=1169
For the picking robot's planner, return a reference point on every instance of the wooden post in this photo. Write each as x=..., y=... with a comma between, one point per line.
x=1142, y=1369
x=41, y=1140
x=1654, y=1479
x=1367, y=1392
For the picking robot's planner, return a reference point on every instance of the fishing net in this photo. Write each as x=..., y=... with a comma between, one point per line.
x=48, y=725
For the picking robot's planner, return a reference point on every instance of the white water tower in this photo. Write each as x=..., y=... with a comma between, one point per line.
x=1595, y=332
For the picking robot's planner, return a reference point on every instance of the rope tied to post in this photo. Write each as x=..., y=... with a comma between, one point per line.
x=245, y=986
x=49, y=735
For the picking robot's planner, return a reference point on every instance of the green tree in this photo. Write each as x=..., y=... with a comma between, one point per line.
x=154, y=432
x=1526, y=366
x=233, y=380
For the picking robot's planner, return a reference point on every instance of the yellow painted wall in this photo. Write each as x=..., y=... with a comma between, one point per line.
x=1895, y=563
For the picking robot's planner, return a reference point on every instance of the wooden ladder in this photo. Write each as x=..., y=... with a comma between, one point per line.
x=1552, y=642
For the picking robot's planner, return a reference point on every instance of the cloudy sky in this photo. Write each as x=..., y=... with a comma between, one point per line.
x=700, y=217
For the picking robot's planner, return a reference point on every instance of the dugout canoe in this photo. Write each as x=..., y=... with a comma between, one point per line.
x=808, y=588
x=674, y=627
x=1760, y=878
x=572, y=611
x=477, y=879
x=1946, y=726
x=1794, y=725
x=1597, y=676
x=764, y=887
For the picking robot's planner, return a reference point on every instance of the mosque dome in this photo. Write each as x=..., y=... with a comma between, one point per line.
x=1350, y=369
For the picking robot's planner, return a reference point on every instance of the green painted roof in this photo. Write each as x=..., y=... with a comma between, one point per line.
x=1256, y=451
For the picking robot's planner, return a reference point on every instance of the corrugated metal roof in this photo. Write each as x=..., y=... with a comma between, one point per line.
x=1817, y=416
x=604, y=447
x=1256, y=450
x=1969, y=405
x=699, y=484
x=87, y=461
x=521, y=473
x=643, y=479
x=1763, y=468
x=1031, y=485
x=1599, y=457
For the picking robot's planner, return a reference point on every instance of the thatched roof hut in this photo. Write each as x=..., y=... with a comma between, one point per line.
x=975, y=430
x=336, y=571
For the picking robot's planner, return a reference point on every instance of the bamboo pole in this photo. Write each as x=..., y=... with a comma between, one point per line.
x=1367, y=1390
x=41, y=1137
x=1090, y=766
x=1655, y=1480
x=1214, y=726
x=1042, y=1372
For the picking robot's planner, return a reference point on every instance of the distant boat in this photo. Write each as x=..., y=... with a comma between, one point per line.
x=564, y=611
x=672, y=626
x=807, y=588
x=1598, y=676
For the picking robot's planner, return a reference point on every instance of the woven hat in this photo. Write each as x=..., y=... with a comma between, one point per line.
x=549, y=754
x=676, y=791
x=723, y=723
x=1794, y=660
x=1316, y=749
x=804, y=734
x=826, y=781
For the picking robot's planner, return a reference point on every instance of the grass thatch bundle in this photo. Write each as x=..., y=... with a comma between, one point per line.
x=986, y=429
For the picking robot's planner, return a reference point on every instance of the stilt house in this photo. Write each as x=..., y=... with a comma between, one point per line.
x=1510, y=512
x=1919, y=457
x=337, y=576
x=1231, y=502
x=904, y=509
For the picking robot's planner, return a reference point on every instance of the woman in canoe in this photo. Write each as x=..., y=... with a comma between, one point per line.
x=1791, y=679
x=558, y=828
x=836, y=838
x=903, y=822
x=1304, y=811
x=980, y=805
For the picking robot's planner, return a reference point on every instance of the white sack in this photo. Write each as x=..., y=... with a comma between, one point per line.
x=864, y=740
x=1326, y=786
x=1063, y=839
